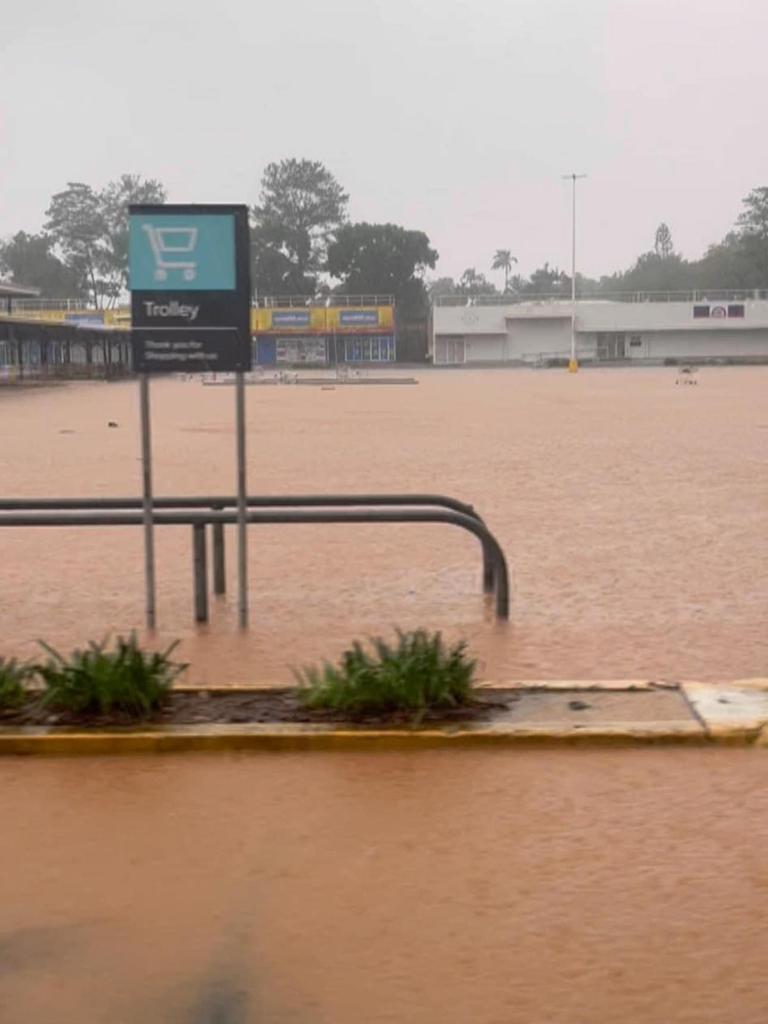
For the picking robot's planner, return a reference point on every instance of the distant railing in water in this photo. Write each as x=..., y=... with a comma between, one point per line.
x=282, y=510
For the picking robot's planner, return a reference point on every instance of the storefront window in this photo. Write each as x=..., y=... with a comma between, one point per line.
x=377, y=348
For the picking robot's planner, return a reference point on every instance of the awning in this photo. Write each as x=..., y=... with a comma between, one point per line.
x=9, y=290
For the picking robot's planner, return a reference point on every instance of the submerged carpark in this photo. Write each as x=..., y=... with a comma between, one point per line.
x=430, y=873
x=383, y=507
x=648, y=564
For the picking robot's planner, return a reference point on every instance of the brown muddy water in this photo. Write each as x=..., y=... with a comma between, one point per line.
x=633, y=513
x=443, y=887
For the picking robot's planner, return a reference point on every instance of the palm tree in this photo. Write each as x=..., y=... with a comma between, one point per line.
x=503, y=260
x=468, y=281
x=473, y=284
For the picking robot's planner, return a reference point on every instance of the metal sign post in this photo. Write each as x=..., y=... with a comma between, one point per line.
x=242, y=504
x=189, y=269
x=146, y=474
x=243, y=248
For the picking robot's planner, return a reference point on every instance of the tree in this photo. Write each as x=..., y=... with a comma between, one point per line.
x=503, y=260
x=441, y=286
x=547, y=280
x=740, y=261
x=471, y=283
x=115, y=199
x=76, y=223
x=725, y=265
x=752, y=225
x=753, y=219
x=300, y=206
x=662, y=245
x=382, y=258
x=28, y=260
x=655, y=273
x=272, y=272
x=90, y=231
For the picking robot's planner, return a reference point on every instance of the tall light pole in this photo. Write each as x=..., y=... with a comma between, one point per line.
x=573, y=363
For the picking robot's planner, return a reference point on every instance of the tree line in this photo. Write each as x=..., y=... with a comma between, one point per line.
x=303, y=243
x=739, y=262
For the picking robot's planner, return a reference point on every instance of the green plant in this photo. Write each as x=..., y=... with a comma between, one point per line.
x=418, y=673
x=99, y=680
x=13, y=676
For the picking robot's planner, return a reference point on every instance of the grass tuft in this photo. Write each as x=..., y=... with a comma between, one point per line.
x=13, y=675
x=417, y=673
x=102, y=680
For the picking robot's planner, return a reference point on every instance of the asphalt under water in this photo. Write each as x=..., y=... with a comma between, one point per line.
x=633, y=513
x=491, y=886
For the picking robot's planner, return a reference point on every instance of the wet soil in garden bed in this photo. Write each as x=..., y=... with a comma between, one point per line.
x=258, y=706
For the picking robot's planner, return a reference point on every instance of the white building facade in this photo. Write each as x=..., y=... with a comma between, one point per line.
x=491, y=330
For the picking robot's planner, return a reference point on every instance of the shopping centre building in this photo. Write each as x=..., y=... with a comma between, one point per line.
x=699, y=327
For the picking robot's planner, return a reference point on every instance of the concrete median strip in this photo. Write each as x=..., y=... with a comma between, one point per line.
x=568, y=711
x=736, y=712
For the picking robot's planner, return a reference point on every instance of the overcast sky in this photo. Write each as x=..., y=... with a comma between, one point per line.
x=451, y=116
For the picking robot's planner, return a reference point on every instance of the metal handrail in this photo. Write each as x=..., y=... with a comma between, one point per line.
x=261, y=302
x=228, y=500
x=316, y=301
x=66, y=305
x=257, y=501
x=199, y=519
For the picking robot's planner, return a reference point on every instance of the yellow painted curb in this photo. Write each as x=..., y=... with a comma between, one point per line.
x=507, y=684
x=180, y=738
x=486, y=684
x=594, y=685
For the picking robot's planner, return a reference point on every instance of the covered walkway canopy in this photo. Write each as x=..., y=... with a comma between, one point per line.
x=63, y=348
x=10, y=291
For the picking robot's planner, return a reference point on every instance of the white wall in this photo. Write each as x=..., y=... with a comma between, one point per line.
x=530, y=338
x=593, y=316
x=636, y=317
x=469, y=319
x=524, y=330
x=667, y=344
x=486, y=348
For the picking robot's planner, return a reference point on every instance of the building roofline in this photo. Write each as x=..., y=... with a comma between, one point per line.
x=10, y=290
x=552, y=298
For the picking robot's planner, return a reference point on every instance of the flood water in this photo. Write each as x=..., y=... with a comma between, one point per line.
x=633, y=513
x=492, y=887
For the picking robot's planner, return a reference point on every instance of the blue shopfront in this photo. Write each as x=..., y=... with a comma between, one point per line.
x=327, y=350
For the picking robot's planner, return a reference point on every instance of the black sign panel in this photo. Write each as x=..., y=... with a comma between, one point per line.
x=187, y=349
x=190, y=288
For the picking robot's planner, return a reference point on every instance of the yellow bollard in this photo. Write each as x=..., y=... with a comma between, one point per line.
x=573, y=365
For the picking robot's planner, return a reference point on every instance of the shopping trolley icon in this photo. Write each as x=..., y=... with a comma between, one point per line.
x=169, y=247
